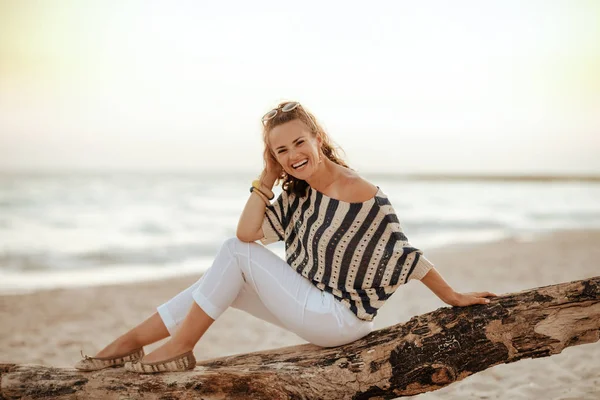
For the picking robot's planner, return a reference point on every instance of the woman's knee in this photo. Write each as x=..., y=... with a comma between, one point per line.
x=237, y=246
x=233, y=244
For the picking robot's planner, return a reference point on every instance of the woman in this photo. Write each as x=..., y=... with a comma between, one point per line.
x=345, y=256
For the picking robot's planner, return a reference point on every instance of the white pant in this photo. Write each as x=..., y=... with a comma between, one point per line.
x=250, y=277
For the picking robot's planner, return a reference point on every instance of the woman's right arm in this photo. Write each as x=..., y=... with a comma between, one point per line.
x=249, y=227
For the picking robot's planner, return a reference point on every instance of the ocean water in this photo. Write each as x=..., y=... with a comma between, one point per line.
x=59, y=230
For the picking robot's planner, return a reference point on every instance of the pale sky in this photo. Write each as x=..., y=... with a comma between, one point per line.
x=401, y=86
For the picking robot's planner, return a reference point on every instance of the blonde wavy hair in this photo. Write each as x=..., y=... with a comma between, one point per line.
x=290, y=183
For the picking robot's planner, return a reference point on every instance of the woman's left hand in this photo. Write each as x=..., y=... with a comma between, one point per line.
x=467, y=299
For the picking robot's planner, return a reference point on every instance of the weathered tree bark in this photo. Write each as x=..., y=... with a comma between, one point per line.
x=426, y=353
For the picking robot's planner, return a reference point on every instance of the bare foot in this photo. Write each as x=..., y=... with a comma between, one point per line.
x=119, y=347
x=168, y=350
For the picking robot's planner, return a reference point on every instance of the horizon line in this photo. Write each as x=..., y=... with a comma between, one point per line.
x=420, y=176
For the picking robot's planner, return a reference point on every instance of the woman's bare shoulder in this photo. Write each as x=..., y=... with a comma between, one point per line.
x=359, y=189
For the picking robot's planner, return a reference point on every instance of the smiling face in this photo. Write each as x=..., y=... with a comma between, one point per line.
x=295, y=148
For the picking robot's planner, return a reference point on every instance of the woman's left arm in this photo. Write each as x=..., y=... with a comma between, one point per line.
x=434, y=281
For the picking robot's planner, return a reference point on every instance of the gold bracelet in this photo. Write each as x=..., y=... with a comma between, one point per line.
x=256, y=184
x=261, y=195
x=261, y=192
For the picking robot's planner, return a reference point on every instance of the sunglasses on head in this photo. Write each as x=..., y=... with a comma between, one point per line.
x=285, y=107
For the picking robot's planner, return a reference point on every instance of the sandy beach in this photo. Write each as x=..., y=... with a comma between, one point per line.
x=51, y=327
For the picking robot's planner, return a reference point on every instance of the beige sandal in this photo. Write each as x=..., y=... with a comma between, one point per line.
x=180, y=363
x=95, y=363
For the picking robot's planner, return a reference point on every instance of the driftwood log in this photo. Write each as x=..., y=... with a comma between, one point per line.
x=426, y=353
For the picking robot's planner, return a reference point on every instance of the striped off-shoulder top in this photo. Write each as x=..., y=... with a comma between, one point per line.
x=355, y=251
